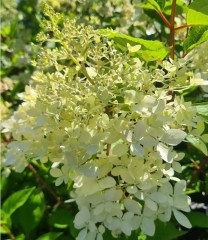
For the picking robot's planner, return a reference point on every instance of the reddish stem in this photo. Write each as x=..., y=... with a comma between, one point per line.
x=183, y=26
x=199, y=169
x=164, y=19
x=45, y=184
x=172, y=29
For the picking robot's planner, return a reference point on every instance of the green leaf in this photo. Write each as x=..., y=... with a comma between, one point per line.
x=150, y=50
x=202, y=109
x=28, y=216
x=60, y=218
x=180, y=7
x=197, y=13
x=170, y=230
x=50, y=236
x=156, y=4
x=3, y=186
x=16, y=200
x=5, y=221
x=161, y=3
x=20, y=237
x=197, y=35
x=198, y=219
x=198, y=143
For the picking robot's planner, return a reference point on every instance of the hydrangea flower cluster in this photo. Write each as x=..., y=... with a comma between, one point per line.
x=97, y=116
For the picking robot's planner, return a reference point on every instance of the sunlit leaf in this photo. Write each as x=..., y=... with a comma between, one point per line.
x=134, y=48
x=197, y=13
x=202, y=109
x=150, y=50
x=29, y=216
x=16, y=200
x=198, y=143
x=196, y=36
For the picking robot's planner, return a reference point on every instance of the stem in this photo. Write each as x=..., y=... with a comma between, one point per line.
x=172, y=29
x=82, y=68
x=44, y=184
x=8, y=231
x=183, y=26
x=108, y=149
x=199, y=169
x=164, y=19
x=162, y=16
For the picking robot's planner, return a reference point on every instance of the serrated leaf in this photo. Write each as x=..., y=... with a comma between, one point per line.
x=16, y=200
x=50, y=236
x=197, y=13
x=150, y=50
x=181, y=218
x=197, y=35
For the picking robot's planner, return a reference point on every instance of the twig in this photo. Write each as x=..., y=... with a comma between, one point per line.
x=45, y=185
x=108, y=149
x=172, y=29
x=8, y=231
x=164, y=19
x=182, y=26
x=199, y=169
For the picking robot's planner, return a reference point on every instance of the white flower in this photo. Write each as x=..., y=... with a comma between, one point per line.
x=62, y=175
